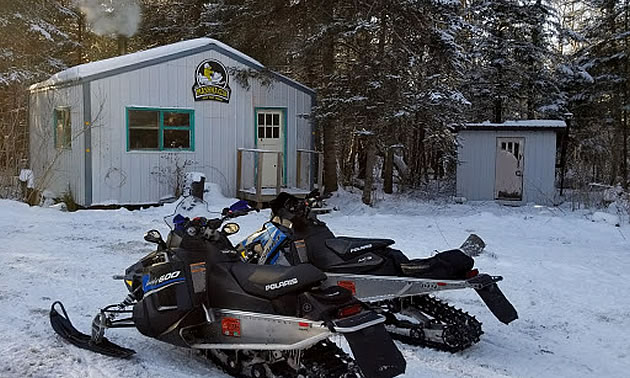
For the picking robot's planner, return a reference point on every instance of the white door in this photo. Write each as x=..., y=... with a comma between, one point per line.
x=509, y=169
x=270, y=134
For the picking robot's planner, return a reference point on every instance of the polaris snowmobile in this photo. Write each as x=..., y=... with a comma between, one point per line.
x=393, y=285
x=194, y=291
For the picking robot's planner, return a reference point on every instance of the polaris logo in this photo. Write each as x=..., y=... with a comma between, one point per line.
x=357, y=249
x=281, y=284
x=164, y=278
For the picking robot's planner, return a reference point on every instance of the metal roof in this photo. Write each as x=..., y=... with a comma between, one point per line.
x=117, y=65
x=530, y=124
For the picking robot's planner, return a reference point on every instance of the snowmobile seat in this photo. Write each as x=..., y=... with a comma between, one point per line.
x=448, y=265
x=344, y=245
x=273, y=281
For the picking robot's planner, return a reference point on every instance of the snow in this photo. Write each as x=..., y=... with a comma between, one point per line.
x=546, y=123
x=105, y=65
x=565, y=274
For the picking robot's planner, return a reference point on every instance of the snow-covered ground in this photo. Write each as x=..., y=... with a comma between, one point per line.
x=566, y=275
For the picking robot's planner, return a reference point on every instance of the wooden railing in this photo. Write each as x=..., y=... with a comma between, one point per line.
x=259, y=159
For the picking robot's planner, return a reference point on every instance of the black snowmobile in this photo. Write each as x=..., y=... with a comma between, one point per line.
x=252, y=321
x=394, y=285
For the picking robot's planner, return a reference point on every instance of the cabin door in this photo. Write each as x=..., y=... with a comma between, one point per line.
x=270, y=135
x=509, y=169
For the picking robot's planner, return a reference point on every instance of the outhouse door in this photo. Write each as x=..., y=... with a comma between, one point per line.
x=509, y=169
x=270, y=134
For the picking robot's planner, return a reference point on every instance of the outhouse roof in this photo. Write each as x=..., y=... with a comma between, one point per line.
x=530, y=124
x=140, y=59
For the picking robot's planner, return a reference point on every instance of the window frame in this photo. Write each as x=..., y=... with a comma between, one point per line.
x=161, y=127
x=62, y=146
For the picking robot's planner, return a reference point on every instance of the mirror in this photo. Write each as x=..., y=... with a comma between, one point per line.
x=153, y=236
x=231, y=228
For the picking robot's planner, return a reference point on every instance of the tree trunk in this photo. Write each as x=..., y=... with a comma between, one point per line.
x=330, y=137
x=369, y=171
x=388, y=171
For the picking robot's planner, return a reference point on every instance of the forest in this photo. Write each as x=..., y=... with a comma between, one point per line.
x=394, y=79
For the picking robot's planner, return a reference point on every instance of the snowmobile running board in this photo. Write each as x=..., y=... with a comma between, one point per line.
x=235, y=329
x=60, y=322
x=377, y=288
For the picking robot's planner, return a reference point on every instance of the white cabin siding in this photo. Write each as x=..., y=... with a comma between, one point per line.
x=476, y=164
x=125, y=177
x=58, y=170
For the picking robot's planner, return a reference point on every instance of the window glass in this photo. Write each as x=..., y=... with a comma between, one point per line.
x=176, y=119
x=144, y=119
x=63, y=131
x=261, y=119
x=141, y=139
x=268, y=121
x=147, y=126
x=276, y=119
x=176, y=139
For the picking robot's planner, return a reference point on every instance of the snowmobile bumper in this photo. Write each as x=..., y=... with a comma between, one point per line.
x=62, y=325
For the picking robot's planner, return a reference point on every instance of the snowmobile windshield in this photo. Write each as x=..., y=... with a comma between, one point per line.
x=188, y=208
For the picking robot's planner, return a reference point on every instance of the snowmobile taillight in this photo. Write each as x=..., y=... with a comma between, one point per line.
x=349, y=311
x=472, y=273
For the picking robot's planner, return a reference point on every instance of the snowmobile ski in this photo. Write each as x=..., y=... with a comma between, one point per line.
x=60, y=322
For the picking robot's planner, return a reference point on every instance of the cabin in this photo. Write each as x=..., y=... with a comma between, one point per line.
x=513, y=162
x=125, y=130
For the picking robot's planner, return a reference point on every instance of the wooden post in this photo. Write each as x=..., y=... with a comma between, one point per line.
x=239, y=170
x=259, y=162
x=279, y=172
x=298, y=174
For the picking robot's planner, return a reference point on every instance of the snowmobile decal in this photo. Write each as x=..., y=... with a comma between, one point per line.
x=357, y=249
x=281, y=284
x=163, y=280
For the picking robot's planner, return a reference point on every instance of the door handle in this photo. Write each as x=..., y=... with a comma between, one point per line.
x=518, y=173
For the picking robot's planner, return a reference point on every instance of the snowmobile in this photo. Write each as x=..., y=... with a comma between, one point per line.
x=382, y=276
x=194, y=291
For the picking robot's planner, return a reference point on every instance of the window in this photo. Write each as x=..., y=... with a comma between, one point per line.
x=160, y=129
x=63, y=131
x=269, y=125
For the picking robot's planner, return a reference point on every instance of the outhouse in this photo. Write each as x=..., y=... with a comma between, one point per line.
x=513, y=161
x=124, y=130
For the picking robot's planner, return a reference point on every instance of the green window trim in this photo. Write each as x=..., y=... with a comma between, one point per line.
x=63, y=141
x=162, y=128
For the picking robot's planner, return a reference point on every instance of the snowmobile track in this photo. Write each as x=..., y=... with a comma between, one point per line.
x=461, y=330
x=323, y=360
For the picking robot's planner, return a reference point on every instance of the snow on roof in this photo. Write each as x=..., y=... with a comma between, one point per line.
x=106, y=65
x=530, y=123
